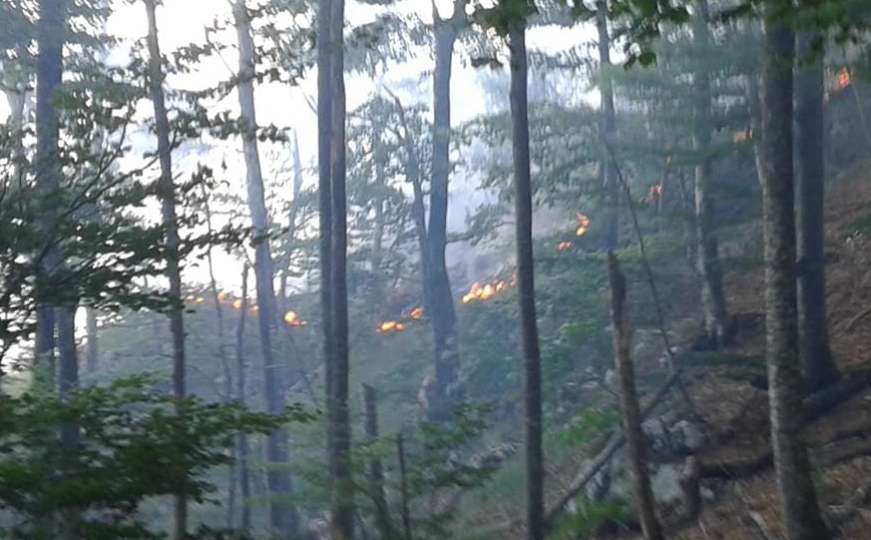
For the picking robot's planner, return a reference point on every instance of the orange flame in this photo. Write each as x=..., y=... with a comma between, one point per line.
x=237, y=304
x=222, y=296
x=564, y=246
x=583, y=225
x=416, y=314
x=200, y=300
x=292, y=319
x=655, y=193
x=844, y=78
x=479, y=294
x=390, y=327
x=255, y=308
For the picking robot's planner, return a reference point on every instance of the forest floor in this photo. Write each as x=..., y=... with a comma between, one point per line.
x=732, y=398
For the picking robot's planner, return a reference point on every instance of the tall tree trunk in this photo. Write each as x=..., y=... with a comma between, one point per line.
x=92, y=351
x=342, y=518
x=816, y=357
x=243, y=448
x=440, y=294
x=325, y=201
x=800, y=510
x=167, y=196
x=629, y=402
x=51, y=33
x=376, y=472
x=227, y=387
x=526, y=281
x=283, y=516
x=707, y=257
x=607, y=126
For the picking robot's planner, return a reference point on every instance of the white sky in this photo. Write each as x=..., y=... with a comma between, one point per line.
x=183, y=21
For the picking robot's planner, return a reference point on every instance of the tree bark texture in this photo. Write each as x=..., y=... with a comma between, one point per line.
x=607, y=126
x=243, y=447
x=376, y=471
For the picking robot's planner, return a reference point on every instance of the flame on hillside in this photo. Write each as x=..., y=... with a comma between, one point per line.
x=564, y=246
x=479, y=293
x=293, y=319
x=223, y=297
x=844, y=79
x=390, y=327
x=416, y=314
x=583, y=225
x=655, y=193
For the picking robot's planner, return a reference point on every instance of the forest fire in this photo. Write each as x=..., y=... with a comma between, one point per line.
x=293, y=319
x=223, y=297
x=237, y=304
x=480, y=294
x=583, y=225
x=390, y=327
x=416, y=314
x=564, y=246
x=844, y=79
x=655, y=193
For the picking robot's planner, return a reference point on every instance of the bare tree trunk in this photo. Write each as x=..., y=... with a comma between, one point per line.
x=707, y=256
x=376, y=471
x=167, y=196
x=801, y=512
x=403, y=488
x=227, y=387
x=343, y=488
x=629, y=403
x=440, y=294
x=49, y=74
x=92, y=350
x=243, y=448
x=607, y=126
x=526, y=280
x=325, y=202
x=816, y=356
x=283, y=515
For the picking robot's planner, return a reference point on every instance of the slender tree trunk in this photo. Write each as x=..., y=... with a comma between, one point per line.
x=325, y=203
x=707, y=257
x=376, y=472
x=51, y=33
x=403, y=488
x=283, y=516
x=607, y=126
x=629, y=403
x=243, y=448
x=440, y=294
x=167, y=196
x=92, y=351
x=227, y=387
x=526, y=281
x=801, y=512
x=816, y=357
x=343, y=489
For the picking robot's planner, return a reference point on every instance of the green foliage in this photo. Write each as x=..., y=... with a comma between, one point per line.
x=131, y=445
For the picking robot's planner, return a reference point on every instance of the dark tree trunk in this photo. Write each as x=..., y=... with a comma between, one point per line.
x=243, y=448
x=800, y=510
x=283, y=515
x=167, y=196
x=376, y=472
x=49, y=74
x=440, y=294
x=607, y=126
x=325, y=201
x=629, y=403
x=403, y=489
x=343, y=489
x=526, y=281
x=707, y=256
x=816, y=357
x=92, y=359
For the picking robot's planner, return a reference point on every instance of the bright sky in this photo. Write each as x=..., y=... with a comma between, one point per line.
x=183, y=21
